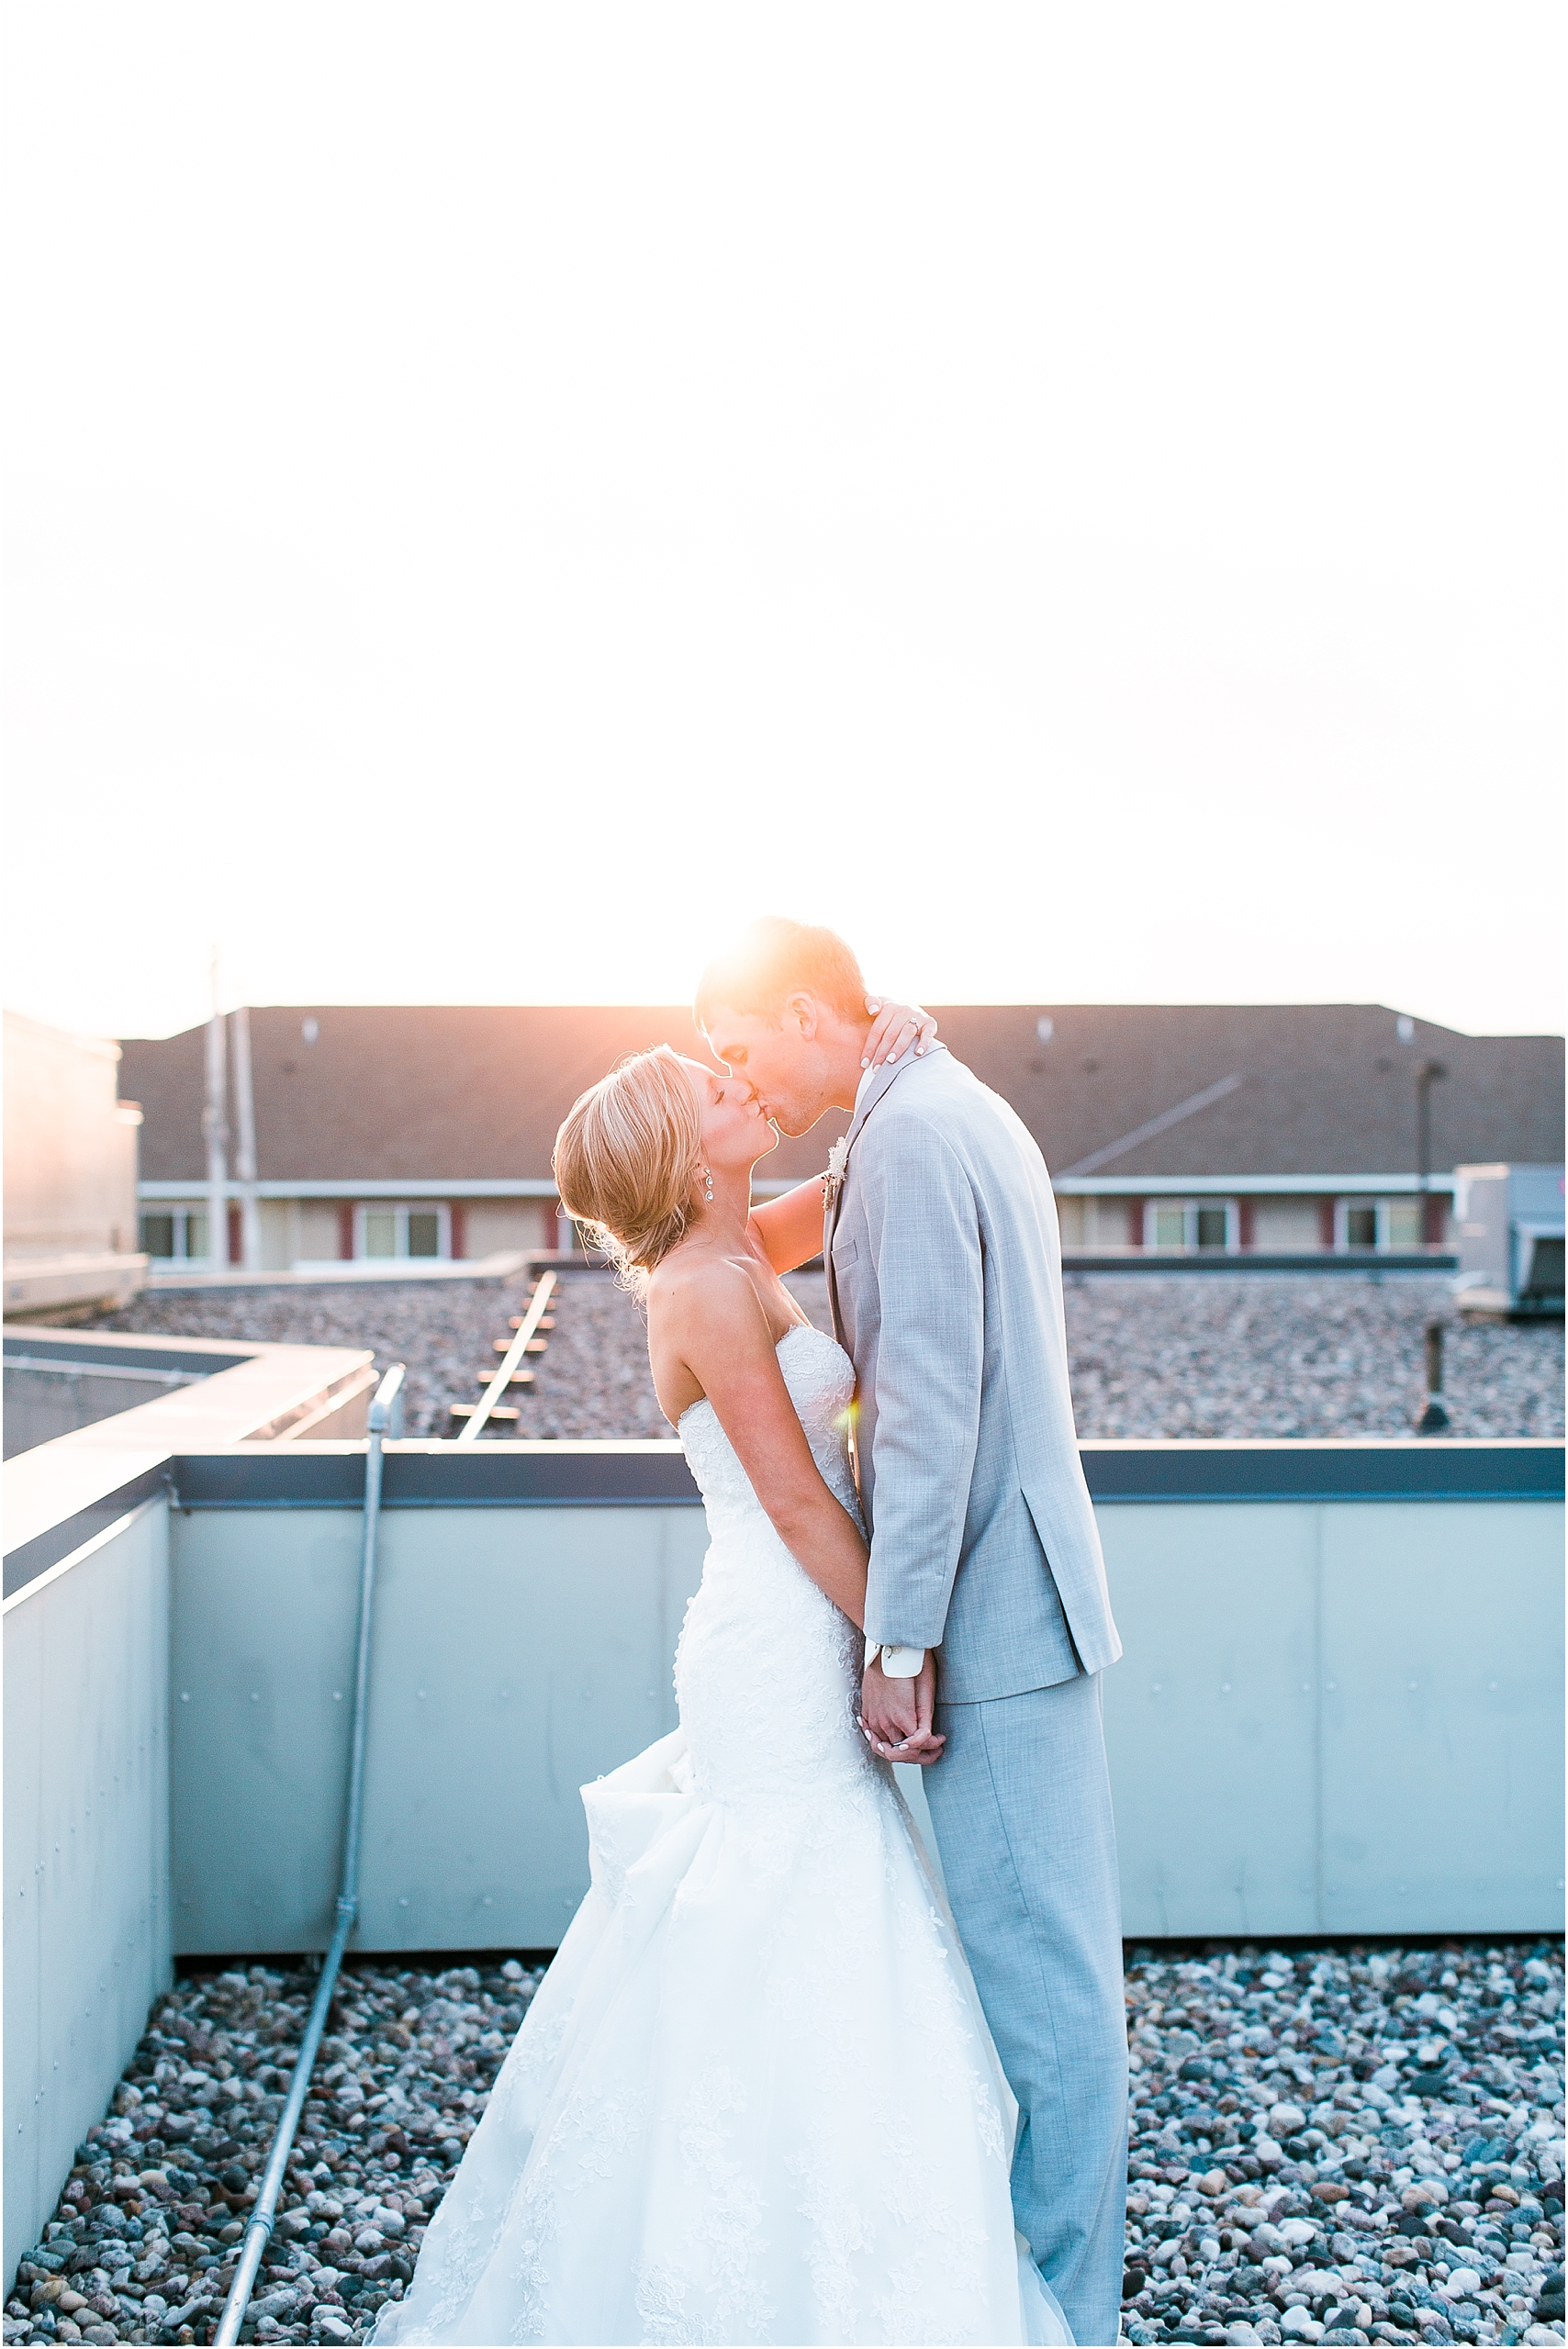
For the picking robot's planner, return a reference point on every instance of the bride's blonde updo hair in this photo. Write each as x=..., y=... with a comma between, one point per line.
x=624, y=1160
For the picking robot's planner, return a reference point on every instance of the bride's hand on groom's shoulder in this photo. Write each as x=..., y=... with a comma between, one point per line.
x=896, y=1715
x=895, y=1028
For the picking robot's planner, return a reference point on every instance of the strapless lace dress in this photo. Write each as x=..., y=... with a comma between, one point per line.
x=755, y=2098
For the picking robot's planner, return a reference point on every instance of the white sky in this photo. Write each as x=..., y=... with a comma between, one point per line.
x=1071, y=494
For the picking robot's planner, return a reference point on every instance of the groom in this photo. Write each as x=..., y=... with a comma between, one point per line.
x=944, y=1273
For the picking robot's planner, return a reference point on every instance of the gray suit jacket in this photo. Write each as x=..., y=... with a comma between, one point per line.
x=944, y=1269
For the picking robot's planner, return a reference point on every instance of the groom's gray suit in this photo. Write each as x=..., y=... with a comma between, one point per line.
x=944, y=1271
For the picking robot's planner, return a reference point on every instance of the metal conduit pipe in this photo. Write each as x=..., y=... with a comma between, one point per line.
x=385, y=1415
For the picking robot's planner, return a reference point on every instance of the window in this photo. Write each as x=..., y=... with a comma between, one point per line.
x=1191, y=1224
x=175, y=1234
x=1377, y=1222
x=402, y=1230
x=1361, y=1222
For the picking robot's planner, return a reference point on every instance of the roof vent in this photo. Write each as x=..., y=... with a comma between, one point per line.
x=1045, y=1027
x=1406, y=1027
x=310, y=1029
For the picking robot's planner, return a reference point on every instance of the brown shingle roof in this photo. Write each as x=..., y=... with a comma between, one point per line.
x=443, y=1093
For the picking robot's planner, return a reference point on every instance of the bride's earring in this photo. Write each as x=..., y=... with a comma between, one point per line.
x=707, y=1184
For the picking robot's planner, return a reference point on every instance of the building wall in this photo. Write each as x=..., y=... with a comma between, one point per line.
x=1277, y=1222
x=71, y=1148
x=1099, y=1222
x=302, y=1231
x=296, y=1231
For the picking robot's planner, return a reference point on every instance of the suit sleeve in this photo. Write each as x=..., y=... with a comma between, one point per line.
x=925, y=1238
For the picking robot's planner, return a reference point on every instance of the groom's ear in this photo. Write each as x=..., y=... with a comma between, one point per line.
x=802, y=1014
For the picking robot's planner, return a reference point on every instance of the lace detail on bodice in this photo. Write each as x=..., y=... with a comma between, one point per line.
x=821, y=1380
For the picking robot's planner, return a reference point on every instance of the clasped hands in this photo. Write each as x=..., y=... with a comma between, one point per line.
x=896, y=1715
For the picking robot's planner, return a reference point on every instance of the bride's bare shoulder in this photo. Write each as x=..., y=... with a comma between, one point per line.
x=698, y=1288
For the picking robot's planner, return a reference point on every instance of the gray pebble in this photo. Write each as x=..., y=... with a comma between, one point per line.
x=1383, y=2208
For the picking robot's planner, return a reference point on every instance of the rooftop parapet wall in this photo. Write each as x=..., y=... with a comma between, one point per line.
x=87, y=1788
x=87, y=1821
x=1339, y=1711
x=63, y=1491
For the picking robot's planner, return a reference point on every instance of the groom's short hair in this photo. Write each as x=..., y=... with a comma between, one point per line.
x=773, y=959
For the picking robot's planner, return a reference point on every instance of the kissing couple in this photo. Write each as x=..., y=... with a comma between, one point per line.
x=774, y=2087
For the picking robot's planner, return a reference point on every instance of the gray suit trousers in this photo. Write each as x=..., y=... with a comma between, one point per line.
x=1021, y=1806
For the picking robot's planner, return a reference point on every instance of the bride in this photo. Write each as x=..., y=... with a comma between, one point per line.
x=755, y=2098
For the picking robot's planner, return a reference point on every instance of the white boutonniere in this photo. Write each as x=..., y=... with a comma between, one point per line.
x=833, y=1181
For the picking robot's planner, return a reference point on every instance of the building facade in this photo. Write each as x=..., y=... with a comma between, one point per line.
x=71, y=1174
x=384, y=1132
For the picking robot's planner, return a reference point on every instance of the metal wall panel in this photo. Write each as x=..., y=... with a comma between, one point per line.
x=1340, y=1717
x=1210, y=1734
x=86, y=1865
x=1442, y=1717
x=1274, y=1771
x=519, y=1653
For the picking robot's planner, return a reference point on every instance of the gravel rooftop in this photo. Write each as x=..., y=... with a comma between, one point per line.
x=1174, y=1354
x=1337, y=2144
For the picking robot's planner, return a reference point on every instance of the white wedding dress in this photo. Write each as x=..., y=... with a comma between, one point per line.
x=755, y=2098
